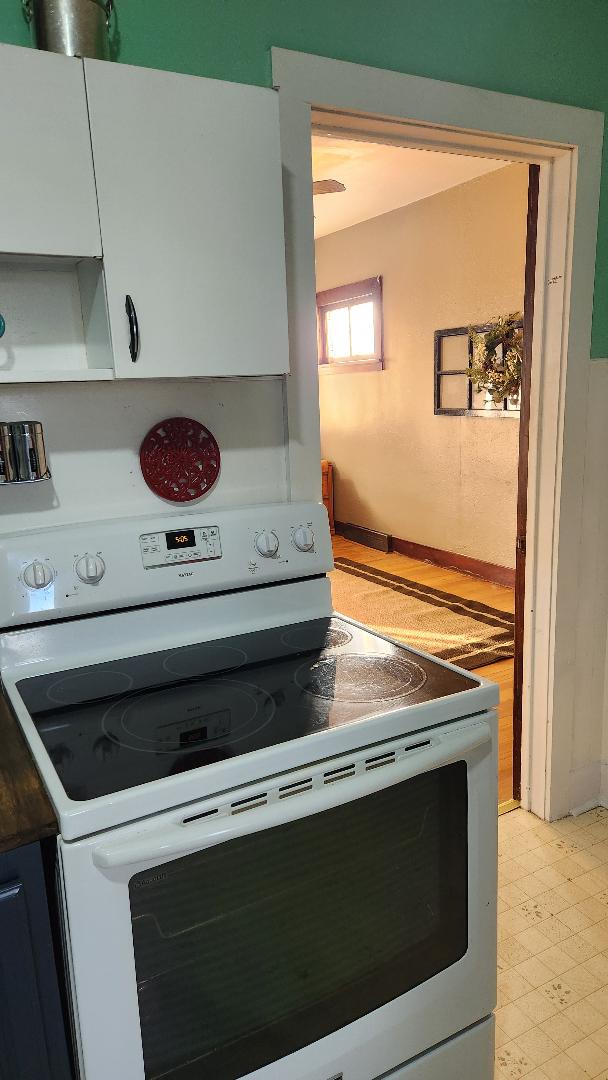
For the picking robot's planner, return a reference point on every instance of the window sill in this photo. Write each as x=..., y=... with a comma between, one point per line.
x=350, y=367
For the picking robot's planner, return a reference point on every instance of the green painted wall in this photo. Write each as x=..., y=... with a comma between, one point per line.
x=551, y=49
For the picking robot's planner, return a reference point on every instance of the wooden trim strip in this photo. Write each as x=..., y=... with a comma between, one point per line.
x=500, y=575
x=522, y=472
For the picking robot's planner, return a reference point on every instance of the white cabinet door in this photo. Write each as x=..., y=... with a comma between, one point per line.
x=47, y=187
x=189, y=188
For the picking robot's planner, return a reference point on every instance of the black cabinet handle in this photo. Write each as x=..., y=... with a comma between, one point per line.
x=133, y=328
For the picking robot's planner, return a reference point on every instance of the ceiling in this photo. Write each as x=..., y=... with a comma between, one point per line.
x=379, y=178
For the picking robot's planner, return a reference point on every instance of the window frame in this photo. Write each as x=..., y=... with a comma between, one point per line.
x=343, y=296
x=438, y=375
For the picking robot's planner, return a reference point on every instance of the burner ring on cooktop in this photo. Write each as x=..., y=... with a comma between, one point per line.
x=86, y=686
x=186, y=662
x=210, y=712
x=356, y=678
x=303, y=637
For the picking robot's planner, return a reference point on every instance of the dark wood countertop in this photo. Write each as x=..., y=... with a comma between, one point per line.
x=26, y=814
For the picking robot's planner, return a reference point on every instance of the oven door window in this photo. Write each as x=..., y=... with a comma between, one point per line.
x=248, y=951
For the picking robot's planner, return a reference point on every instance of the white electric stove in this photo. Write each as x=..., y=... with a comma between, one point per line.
x=278, y=829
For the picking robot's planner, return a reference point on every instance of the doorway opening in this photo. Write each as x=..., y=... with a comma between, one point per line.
x=564, y=641
x=419, y=255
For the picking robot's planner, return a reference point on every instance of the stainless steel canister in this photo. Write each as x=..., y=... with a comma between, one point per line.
x=73, y=27
x=8, y=465
x=30, y=454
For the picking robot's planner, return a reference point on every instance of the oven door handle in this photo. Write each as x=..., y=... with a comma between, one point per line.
x=154, y=845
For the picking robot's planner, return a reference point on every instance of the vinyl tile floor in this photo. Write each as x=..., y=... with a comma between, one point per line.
x=552, y=1014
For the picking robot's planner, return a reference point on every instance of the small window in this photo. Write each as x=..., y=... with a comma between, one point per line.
x=455, y=394
x=350, y=326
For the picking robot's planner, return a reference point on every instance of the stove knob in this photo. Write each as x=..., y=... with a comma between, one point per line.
x=38, y=575
x=90, y=569
x=267, y=544
x=303, y=538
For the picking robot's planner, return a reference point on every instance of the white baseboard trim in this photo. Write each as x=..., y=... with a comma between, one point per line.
x=587, y=787
x=603, y=797
x=591, y=805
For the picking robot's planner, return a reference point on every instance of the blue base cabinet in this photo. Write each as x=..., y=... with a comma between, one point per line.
x=33, y=1043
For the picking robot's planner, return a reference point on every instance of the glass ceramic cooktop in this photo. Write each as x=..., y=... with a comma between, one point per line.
x=117, y=724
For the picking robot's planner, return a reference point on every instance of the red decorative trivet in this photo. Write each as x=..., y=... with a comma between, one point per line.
x=180, y=459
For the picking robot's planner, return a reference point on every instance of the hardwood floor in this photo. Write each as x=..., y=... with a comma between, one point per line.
x=472, y=588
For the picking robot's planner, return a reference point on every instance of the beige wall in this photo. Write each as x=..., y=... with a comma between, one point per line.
x=450, y=260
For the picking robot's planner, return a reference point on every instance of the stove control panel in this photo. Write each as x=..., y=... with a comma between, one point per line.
x=64, y=571
x=180, y=546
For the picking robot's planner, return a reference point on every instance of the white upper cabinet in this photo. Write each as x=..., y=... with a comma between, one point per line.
x=47, y=187
x=189, y=188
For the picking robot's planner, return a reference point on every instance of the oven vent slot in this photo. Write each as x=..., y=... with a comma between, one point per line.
x=197, y=817
x=300, y=787
x=343, y=773
x=416, y=746
x=252, y=803
x=380, y=760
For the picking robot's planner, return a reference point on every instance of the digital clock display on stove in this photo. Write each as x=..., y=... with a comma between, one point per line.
x=201, y=544
x=182, y=539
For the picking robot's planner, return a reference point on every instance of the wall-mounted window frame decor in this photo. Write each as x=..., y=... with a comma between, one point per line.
x=345, y=299
x=466, y=400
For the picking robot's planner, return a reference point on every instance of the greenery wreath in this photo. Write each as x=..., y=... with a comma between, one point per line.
x=496, y=357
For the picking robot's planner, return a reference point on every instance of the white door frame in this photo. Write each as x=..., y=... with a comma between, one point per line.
x=567, y=143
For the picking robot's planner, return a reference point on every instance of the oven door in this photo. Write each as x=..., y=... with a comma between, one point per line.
x=336, y=920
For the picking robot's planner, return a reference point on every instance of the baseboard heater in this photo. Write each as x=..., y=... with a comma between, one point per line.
x=379, y=540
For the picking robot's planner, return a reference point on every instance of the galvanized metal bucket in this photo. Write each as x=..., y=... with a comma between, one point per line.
x=73, y=27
